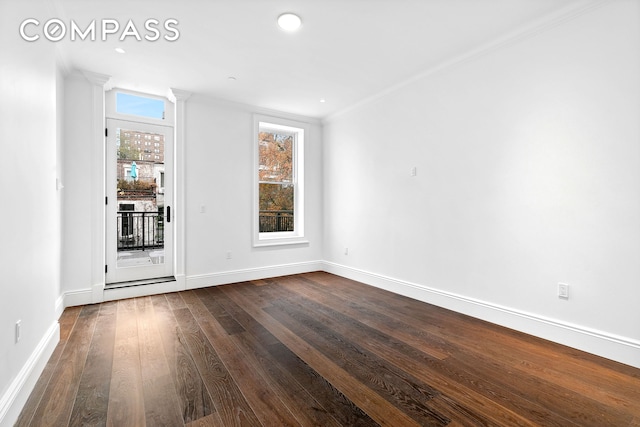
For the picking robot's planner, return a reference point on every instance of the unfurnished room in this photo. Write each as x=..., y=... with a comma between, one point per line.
x=320, y=213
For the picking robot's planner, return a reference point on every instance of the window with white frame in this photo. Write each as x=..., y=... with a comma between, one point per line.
x=279, y=184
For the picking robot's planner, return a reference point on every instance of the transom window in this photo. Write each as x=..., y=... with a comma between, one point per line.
x=141, y=106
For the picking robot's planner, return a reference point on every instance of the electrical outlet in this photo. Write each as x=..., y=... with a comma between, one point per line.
x=563, y=291
x=346, y=251
x=229, y=254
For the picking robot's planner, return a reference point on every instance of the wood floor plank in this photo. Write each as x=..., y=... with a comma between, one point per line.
x=175, y=300
x=305, y=408
x=405, y=356
x=368, y=313
x=160, y=397
x=231, y=406
x=35, y=398
x=399, y=388
x=374, y=405
x=67, y=321
x=551, y=362
x=315, y=349
x=569, y=407
x=561, y=366
x=59, y=397
x=401, y=357
x=274, y=353
x=491, y=343
x=193, y=398
x=126, y=401
x=557, y=368
x=327, y=396
x=336, y=403
x=92, y=398
x=408, y=358
x=209, y=421
x=618, y=392
x=267, y=407
x=424, y=317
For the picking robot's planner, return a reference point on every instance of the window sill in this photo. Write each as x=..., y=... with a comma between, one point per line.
x=280, y=242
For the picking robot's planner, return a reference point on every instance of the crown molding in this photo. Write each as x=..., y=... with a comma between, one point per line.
x=175, y=95
x=96, y=78
x=525, y=32
x=252, y=109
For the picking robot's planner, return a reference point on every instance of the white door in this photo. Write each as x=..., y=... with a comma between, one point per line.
x=139, y=177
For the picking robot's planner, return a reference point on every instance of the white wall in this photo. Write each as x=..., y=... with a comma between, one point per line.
x=76, y=222
x=528, y=174
x=30, y=250
x=219, y=162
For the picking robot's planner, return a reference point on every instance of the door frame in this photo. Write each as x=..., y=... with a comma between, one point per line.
x=97, y=87
x=101, y=98
x=115, y=274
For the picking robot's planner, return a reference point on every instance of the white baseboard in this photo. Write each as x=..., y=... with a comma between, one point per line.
x=140, y=291
x=14, y=399
x=59, y=307
x=235, y=276
x=79, y=297
x=97, y=293
x=621, y=349
x=182, y=282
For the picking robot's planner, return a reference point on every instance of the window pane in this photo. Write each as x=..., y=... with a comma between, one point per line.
x=139, y=106
x=276, y=207
x=276, y=157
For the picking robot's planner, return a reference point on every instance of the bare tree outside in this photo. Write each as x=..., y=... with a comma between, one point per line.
x=276, y=181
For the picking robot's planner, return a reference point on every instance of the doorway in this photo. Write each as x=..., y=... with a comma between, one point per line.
x=139, y=189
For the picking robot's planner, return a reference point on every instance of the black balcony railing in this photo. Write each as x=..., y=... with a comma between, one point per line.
x=271, y=221
x=140, y=230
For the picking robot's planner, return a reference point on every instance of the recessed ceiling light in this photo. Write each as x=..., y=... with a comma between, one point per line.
x=231, y=79
x=323, y=100
x=289, y=21
x=119, y=50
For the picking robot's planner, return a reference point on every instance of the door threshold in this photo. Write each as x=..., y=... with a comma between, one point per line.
x=130, y=283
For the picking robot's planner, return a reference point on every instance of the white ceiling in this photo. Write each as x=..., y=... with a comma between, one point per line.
x=346, y=50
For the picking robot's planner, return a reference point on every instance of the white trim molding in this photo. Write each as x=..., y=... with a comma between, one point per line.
x=14, y=399
x=530, y=30
x=84, y=296
x=116, y=293
x=78, y=297
x=297, y=131
x=621, y=349
x=98, y=81
x=236, y=276
x=179, y=97
x=59, y=306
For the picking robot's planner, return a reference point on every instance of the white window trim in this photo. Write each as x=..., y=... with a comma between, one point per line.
x=296, y=237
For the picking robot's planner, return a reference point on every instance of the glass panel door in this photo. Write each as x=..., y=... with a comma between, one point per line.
x=139, y=199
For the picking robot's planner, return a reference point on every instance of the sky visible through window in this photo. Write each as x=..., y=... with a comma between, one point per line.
x=139, y=106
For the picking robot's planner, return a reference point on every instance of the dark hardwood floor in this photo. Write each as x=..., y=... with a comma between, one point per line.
x=315, y=349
